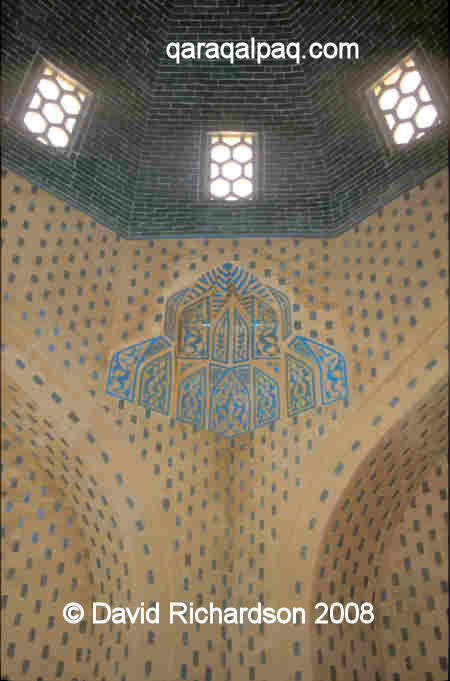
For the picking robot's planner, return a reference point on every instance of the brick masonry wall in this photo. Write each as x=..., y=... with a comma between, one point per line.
x=325, y=165
x=168, y=512
x=369, y=554
x=106, y=52
x=414, y=584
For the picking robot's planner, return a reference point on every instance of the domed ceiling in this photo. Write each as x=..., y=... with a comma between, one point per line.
x=325, y=165
x=246, y=421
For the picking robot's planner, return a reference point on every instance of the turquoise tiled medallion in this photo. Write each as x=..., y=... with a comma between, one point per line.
x=226, y=361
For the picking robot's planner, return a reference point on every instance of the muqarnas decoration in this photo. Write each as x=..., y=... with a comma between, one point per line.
x=227, y=362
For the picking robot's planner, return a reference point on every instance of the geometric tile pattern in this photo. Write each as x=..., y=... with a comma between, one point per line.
x=333, y=379
x=191, y=398
x=300, y=386
x=122, y=374
x=234, y=327
x=229, y=412
x=156, y=379
x=267, y=399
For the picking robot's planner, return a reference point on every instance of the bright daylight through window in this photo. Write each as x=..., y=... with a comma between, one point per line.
x=231, y=166
x=53, y=107
x=403, y=104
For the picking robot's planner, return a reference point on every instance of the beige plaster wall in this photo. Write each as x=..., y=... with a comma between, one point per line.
x=163, y=513
x=413, y=604
x=361, y=547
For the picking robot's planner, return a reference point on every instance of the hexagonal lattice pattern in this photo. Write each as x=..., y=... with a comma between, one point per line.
x=231, y=166
x=55, y=107
x=405, y=102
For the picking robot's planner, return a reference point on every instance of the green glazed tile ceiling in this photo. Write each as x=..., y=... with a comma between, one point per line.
x=325, y=166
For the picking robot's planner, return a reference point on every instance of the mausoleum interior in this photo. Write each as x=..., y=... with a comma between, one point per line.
x=224, y=340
